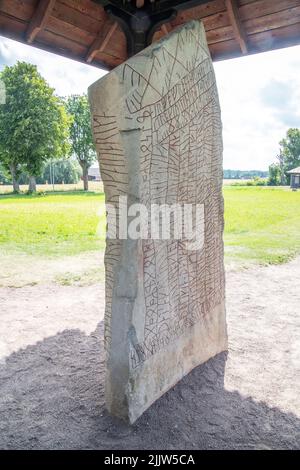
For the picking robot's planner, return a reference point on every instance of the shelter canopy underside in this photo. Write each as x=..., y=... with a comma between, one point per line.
x=84, y=30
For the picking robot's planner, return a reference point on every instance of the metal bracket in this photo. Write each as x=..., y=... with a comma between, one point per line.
x=140, y=24
x=140, y=27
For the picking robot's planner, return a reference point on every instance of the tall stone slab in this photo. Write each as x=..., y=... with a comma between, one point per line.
x=158, y=133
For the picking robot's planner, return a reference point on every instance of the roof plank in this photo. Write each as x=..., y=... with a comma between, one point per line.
x=87, y=7
x=200, y=12
x=18, y=9
x=273, y=21
x=237, y=26
x=39, y=19
x=77, y=18
x=100, y=43
x=260, y=8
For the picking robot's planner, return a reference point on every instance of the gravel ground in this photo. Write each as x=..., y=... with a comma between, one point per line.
x=52, y=373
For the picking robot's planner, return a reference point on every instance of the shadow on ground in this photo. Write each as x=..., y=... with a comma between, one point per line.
x=52, y=397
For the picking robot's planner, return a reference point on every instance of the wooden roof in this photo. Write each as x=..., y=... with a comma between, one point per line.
x=81, y=29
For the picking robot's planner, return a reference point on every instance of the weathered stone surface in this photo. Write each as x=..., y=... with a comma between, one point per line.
x=158, y=132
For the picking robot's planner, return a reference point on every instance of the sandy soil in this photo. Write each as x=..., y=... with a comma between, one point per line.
x=21, y=270
x=51, y=373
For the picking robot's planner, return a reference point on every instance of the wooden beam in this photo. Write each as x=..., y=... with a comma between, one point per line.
x=39, y=19
x=100, y=43
x=240, y=35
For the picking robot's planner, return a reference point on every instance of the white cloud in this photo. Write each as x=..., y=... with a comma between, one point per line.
x=259, y=96
x=65, y=75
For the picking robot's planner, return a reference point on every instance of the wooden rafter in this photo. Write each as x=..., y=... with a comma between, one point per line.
x=39, y=19
x=100, y=43
x=239, y=32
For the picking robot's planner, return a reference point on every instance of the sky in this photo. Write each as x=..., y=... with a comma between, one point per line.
x=259, y=96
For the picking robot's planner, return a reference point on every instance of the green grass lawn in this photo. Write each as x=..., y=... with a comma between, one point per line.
x=261, y=224
x=51, y=225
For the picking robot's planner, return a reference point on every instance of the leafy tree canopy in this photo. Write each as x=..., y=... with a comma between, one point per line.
x=290, y=148
x=81, y=133
x=33, y=121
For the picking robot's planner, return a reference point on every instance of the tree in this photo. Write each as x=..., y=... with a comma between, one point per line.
x=4, y=176
x=274, y=175
x=11, y=164
x=290, y=149
x=33, y=123
x=61, y=171
x=81, y=134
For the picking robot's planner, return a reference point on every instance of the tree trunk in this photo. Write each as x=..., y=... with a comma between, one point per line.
x=280, y=158
x=15, y=181
x=32, y=184
x=85, y=177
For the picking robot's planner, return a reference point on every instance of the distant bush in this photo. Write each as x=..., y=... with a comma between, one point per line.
x=244, y=174
x=256, y=181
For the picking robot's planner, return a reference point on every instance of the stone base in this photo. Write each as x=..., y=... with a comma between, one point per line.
x=163, y=370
